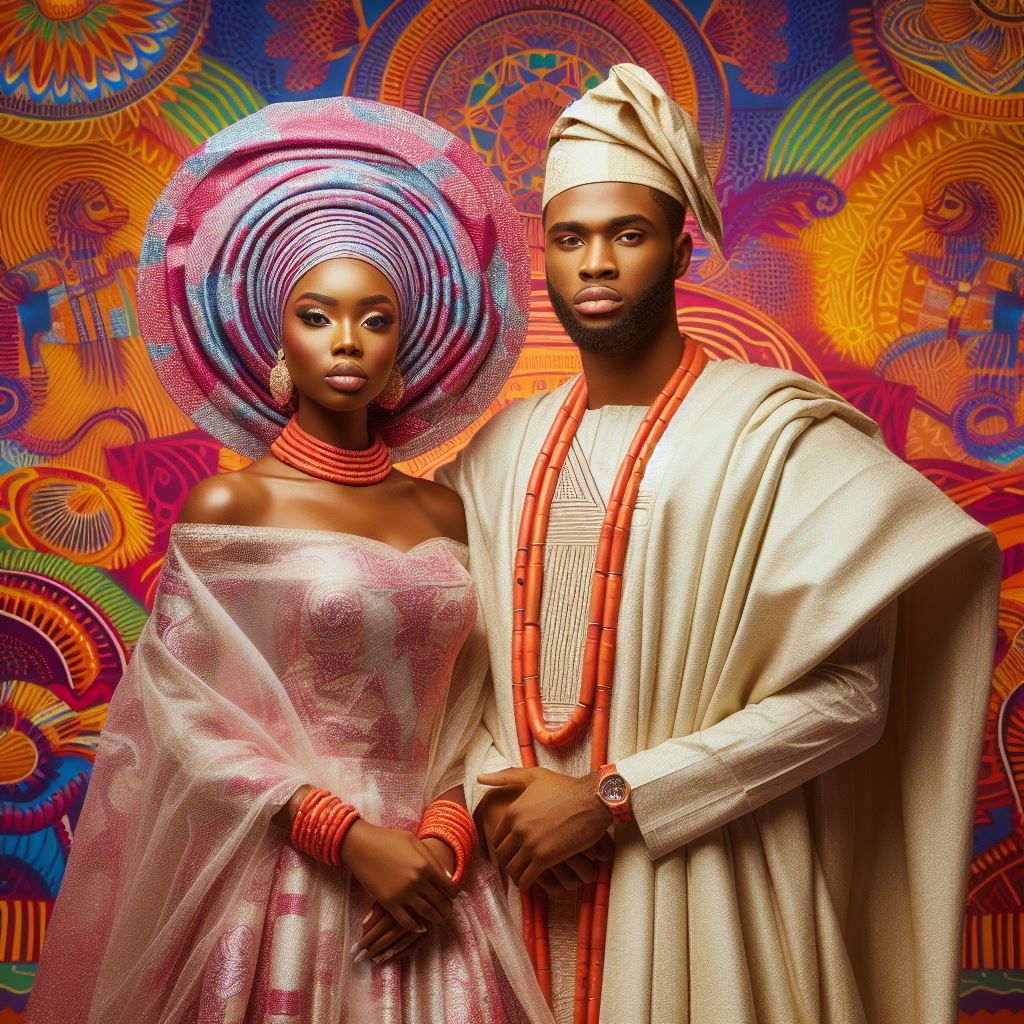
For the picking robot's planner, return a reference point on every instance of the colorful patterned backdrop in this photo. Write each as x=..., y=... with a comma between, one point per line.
x=869, y=158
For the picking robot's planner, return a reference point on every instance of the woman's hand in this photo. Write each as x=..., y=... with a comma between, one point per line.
x=383, y=937
x=405, y=875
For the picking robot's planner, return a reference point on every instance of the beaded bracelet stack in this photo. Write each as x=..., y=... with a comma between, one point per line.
x=452, y=824
x=321, y=824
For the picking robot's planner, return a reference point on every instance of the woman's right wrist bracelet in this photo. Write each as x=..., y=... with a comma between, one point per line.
x=321, y=824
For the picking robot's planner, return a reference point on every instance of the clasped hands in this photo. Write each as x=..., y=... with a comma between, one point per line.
x=410, y=882
x=545, y=828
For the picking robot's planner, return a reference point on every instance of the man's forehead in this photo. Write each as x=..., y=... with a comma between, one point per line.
x=599, y=204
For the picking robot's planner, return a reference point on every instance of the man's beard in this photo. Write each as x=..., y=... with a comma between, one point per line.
x=635, y=325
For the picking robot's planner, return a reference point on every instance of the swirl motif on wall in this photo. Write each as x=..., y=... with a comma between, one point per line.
x=81, y=517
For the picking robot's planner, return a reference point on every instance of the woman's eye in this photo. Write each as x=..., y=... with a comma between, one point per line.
x=314, y=317
x=376, y=321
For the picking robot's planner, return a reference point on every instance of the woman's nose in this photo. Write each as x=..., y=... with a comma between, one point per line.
x=345, y=339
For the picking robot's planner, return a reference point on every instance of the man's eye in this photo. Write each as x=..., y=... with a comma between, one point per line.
x=571, y=241
x=631, y=236
x=314, y=317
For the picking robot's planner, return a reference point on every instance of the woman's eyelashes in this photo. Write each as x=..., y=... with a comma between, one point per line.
x=318, y=318
x=377, y=322
x=314, y=317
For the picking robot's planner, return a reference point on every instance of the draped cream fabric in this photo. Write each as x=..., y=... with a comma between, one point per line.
x=761, y=752
x=779, y=526
x=274, y=658
x=629, y=129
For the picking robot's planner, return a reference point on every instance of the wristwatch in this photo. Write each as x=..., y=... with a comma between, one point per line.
x=613, y=791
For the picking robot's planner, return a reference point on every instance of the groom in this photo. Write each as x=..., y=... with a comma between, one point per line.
x=796, y=672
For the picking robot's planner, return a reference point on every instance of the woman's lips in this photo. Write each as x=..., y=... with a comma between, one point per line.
x=342, y=382
x=597, y=301
x=346, y=376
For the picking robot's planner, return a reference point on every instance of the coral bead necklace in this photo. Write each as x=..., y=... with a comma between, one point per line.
x=301, y=450
x=594, y=703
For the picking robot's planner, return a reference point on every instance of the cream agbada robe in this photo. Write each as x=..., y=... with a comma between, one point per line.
x=779, y=525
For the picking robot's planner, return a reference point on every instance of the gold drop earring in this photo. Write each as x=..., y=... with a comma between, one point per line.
x=281, y=387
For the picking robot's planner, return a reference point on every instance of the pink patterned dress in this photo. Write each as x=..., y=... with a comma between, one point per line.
x=273, y=658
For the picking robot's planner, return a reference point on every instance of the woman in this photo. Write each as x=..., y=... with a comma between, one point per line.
x=295, y=712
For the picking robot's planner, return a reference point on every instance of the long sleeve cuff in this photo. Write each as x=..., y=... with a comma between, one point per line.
x=690, y=785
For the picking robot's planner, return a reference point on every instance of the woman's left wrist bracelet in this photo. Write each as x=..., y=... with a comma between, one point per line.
x=453, y=825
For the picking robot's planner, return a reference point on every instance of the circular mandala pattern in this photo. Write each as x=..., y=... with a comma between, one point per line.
x=61, y=626
x=498, y=73
x=69, y=60
x=15, y=404
x=81, y=517
x=960, y=57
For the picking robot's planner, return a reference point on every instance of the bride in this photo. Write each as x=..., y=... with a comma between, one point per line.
x=275, y=829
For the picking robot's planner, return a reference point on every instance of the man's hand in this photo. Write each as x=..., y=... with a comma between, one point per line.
x=559, y=879
x=491, y=811
x=553, y=819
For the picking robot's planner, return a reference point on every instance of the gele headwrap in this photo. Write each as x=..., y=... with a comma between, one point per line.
x=270, y=197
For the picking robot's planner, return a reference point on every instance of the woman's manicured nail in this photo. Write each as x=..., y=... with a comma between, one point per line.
x=369, y=914
x=355, y=947
x=359, y=959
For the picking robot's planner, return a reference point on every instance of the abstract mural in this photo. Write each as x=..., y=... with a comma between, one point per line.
x=869, y=157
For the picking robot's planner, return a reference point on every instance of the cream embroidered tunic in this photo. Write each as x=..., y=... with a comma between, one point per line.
x=754, y=756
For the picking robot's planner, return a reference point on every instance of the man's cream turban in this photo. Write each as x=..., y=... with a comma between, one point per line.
x=629, y=129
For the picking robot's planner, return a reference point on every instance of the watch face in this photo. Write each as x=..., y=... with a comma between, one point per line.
x=613, y=789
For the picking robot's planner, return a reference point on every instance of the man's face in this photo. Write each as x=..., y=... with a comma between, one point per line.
x=611, y=264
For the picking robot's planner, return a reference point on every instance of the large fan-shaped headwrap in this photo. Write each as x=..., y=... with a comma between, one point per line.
x=267, y=199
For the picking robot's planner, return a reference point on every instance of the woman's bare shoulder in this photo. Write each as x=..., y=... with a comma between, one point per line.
x=225, y=499
x=443, y=506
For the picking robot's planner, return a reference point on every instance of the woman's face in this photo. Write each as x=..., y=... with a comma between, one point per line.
x=340, y=334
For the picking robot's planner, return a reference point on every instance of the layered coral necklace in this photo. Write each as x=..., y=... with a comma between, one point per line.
x=599, y=654
x=301, y=450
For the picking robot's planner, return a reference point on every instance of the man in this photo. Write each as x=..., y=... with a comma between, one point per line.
x=784, y=849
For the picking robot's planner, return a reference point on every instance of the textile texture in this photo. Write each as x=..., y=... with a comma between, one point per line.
x=276, y=658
